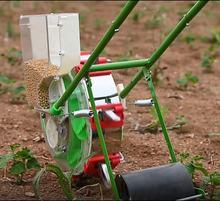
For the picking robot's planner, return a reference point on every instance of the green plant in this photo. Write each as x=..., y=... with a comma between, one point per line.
x=189, y=39
x=10, y=29
x=179, y=123
x=21, y=160
x=137, y=16
x=215, y=36
x=15, y=4
x=208, y=61
x=126, y=56
x=213, y=180
x=82, y=18
x=210, y=180
x=13, y=56
x=158, y=73
x=98, y=23
x=154, y=126
x=64, y=180
x=156, y=20
x=186, y=79
x=153, y=23
x=9, y=85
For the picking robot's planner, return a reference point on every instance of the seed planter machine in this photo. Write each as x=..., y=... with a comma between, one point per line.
x=82, y=109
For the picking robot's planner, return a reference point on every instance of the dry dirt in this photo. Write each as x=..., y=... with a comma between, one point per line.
x=200, y=103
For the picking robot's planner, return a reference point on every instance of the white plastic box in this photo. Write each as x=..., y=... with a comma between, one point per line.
x=54, y=37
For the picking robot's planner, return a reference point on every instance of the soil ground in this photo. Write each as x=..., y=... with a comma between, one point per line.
x=199, y=103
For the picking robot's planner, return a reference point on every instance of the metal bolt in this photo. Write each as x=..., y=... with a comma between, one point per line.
x=56, y=78
x=64, y=148
x=61, y=53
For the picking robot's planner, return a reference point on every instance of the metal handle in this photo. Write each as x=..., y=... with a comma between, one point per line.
x=145, y=102
x=112, y=115
x=83, y=113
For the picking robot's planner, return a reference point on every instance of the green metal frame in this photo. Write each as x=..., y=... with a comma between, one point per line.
x=148, y=77
x=145, y=64
x=101, y=137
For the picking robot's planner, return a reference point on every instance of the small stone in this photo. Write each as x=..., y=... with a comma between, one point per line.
x=25, y=139
x=38, y=139
x=16, y=126
x=29, y=194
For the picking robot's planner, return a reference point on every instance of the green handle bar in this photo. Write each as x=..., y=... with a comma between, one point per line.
x=166, y=43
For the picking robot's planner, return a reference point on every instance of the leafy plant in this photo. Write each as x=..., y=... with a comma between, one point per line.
x=189, y=39
x=153, y=23
x=156, y=20
x=10, y=29
x=63, y=178
x=214, y=181
x=98, y=23
x=136, y=17
x=15, y=3
x=9, y=85
x=158, y=73
x=13, y=56
x=215, y=37
x=210, y=181
x=207, y=61
x=126, y=56
x=155, y=124
x=22, y=160
x=82, y=18
x=179, y=123
x=5, y=80
x=186, y=79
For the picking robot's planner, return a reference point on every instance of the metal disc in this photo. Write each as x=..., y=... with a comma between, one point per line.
x=59, y=131
x=51, y=132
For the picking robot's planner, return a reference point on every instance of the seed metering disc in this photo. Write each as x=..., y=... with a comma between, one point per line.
x=69, y=138
x=52, y=133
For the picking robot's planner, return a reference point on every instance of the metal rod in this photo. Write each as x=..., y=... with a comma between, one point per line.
x=193, y=197
x=55, y=109
x=119, y=65
x=148, y=77
x=101, y=139
x=166, y=43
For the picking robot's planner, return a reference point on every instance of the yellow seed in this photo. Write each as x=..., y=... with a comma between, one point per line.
x=38, y=75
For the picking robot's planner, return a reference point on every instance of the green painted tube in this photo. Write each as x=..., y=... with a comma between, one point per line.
x=98, y=49
x=101, y=139
x=160, y=115
x=119, y=65
x=166, y=43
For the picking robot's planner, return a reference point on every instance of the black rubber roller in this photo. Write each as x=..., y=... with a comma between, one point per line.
x=168, y=182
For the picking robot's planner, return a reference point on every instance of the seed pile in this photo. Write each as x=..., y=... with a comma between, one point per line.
x=38, y=75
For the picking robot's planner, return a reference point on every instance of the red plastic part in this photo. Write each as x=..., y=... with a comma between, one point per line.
x=101, y=60
x=106, y=122
x=91, y=167
x=92, y=74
